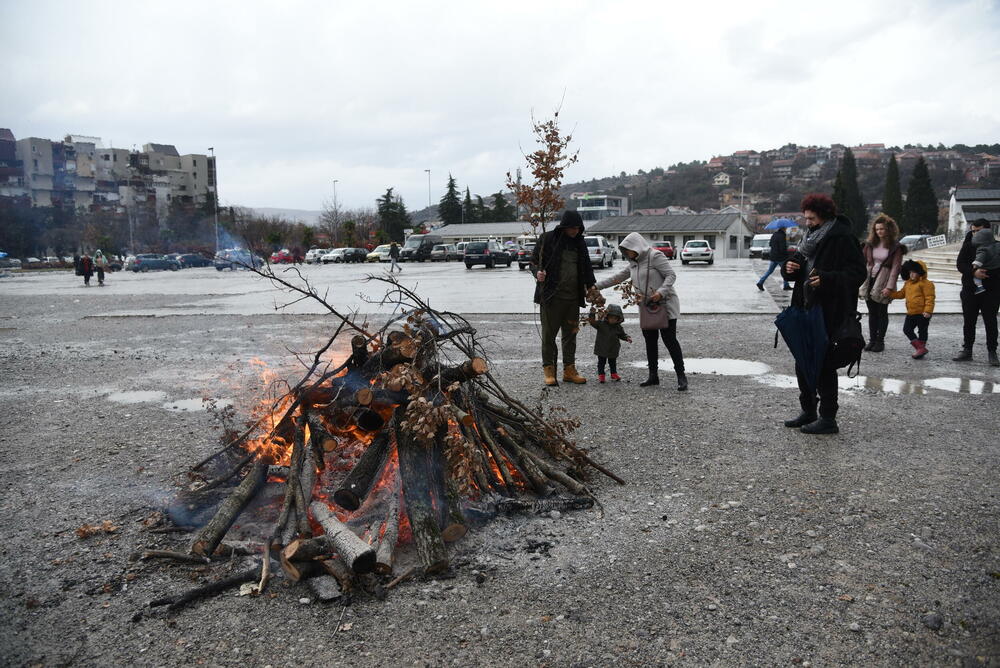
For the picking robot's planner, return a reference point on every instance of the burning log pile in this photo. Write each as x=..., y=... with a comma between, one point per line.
x=409, y=441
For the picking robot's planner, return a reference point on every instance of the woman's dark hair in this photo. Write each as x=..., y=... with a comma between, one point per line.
x=819, y=204
x=911, y=265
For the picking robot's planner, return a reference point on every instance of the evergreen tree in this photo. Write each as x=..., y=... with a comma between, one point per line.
x=892, y=199
x=847, y=195
x=393, y=217
x=450, y=207
x=468, y=209
x=503, y=211
x=483, y=213
x=920, y=215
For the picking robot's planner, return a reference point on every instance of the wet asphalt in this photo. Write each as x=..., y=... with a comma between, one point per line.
x=735, y=541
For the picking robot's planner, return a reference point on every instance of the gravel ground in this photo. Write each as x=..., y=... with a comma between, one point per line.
x=735, y=541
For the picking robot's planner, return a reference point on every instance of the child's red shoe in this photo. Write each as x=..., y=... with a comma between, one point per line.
x=615, y=377
x=600, y=378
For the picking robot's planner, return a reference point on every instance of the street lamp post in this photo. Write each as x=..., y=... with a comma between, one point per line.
x=739, y=243
x=336, y=213
x=215, y=198
x=428, y=189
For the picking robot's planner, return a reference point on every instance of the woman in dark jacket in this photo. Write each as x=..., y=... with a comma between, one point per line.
x=563, y=274
x=828, y=269
x=883, y=258
x=985, y=304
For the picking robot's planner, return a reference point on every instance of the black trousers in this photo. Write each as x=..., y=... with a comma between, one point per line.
x=100, y=275
x=985, y=304
x=669, y=336
x=915, y=327
x=612, y=362
x=878, y=320
x=824, y=396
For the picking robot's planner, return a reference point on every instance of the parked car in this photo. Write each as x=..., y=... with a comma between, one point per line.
x=335, y=256
x=665, y=247
x=418, y=247
x=355, y=254
x=524, y=256
x=444, y=253
x=460, y=248
x=152, y=261
x=284, y=256
x=760, y=246
x=512, y=249
x=697, y=250
x=189, y=260
x=915, y=242
x=237, y=258
x=488, y=253
x=380, y=254
x=602, y=253
x=313, y=255
x=9, y=263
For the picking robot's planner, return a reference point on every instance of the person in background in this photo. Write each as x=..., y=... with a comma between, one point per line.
x=394, y=257
x=778, y=253
x=563, y=274
x=828, y=268
x=86, y=269
x=919, y=295
x=974, y=305
x=883, y=258
x=100, y=266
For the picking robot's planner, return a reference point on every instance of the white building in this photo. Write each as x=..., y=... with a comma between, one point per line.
x=968, y=204
x=727, y=233
x=593, y=207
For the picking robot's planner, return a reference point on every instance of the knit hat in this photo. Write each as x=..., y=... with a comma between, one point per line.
x=570, y=219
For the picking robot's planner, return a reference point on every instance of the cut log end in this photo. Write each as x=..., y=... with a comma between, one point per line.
x=347, y=499
x=453, y=532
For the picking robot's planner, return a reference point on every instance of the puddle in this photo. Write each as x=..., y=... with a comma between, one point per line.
x=185, y=405
x=893, y=385
x=716, y=366
x=963, y=385
x=136, y=397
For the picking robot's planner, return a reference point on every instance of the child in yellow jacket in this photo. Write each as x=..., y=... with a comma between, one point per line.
x=919, y=295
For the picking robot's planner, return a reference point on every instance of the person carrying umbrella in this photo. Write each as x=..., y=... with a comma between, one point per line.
x=827, y=269
x=779, y=249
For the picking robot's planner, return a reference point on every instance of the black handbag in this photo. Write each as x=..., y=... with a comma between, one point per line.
x=846, y=344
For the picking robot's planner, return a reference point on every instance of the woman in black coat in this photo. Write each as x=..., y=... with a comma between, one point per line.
x=828, y=269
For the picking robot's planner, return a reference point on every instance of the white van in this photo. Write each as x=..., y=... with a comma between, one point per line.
x=760, y=245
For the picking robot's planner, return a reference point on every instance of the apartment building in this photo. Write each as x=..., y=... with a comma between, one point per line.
x=80, y=172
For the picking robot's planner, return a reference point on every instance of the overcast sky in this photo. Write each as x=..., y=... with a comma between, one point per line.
x=293, y=95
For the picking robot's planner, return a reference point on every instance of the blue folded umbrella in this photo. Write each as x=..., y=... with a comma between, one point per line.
x=804, y=332
x=778, y=223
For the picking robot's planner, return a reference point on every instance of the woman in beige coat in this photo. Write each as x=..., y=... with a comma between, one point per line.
x=653, y=277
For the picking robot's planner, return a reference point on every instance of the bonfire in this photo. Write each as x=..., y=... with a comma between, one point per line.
x=404, y=445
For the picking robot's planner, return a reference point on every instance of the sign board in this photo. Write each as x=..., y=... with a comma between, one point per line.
x=939, y=240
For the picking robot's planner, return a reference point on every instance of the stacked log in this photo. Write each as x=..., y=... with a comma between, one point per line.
x=457, y=454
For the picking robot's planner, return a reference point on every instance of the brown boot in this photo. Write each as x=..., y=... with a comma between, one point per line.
x=571, y=376
x=550, y=375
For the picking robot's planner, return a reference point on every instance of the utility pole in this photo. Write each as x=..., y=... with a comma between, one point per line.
x=336, y=214
x=739, y=240
x=428, y=190
x=215, y=197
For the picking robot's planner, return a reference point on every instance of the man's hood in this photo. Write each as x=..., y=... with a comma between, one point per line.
x=636, y=242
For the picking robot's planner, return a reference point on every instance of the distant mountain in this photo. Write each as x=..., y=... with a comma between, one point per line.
x=293, y=215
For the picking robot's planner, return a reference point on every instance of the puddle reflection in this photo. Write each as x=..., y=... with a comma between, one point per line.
x=716, y=365
x=892, y=385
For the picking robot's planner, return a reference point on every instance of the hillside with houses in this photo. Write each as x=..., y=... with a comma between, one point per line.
x=774, y=180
